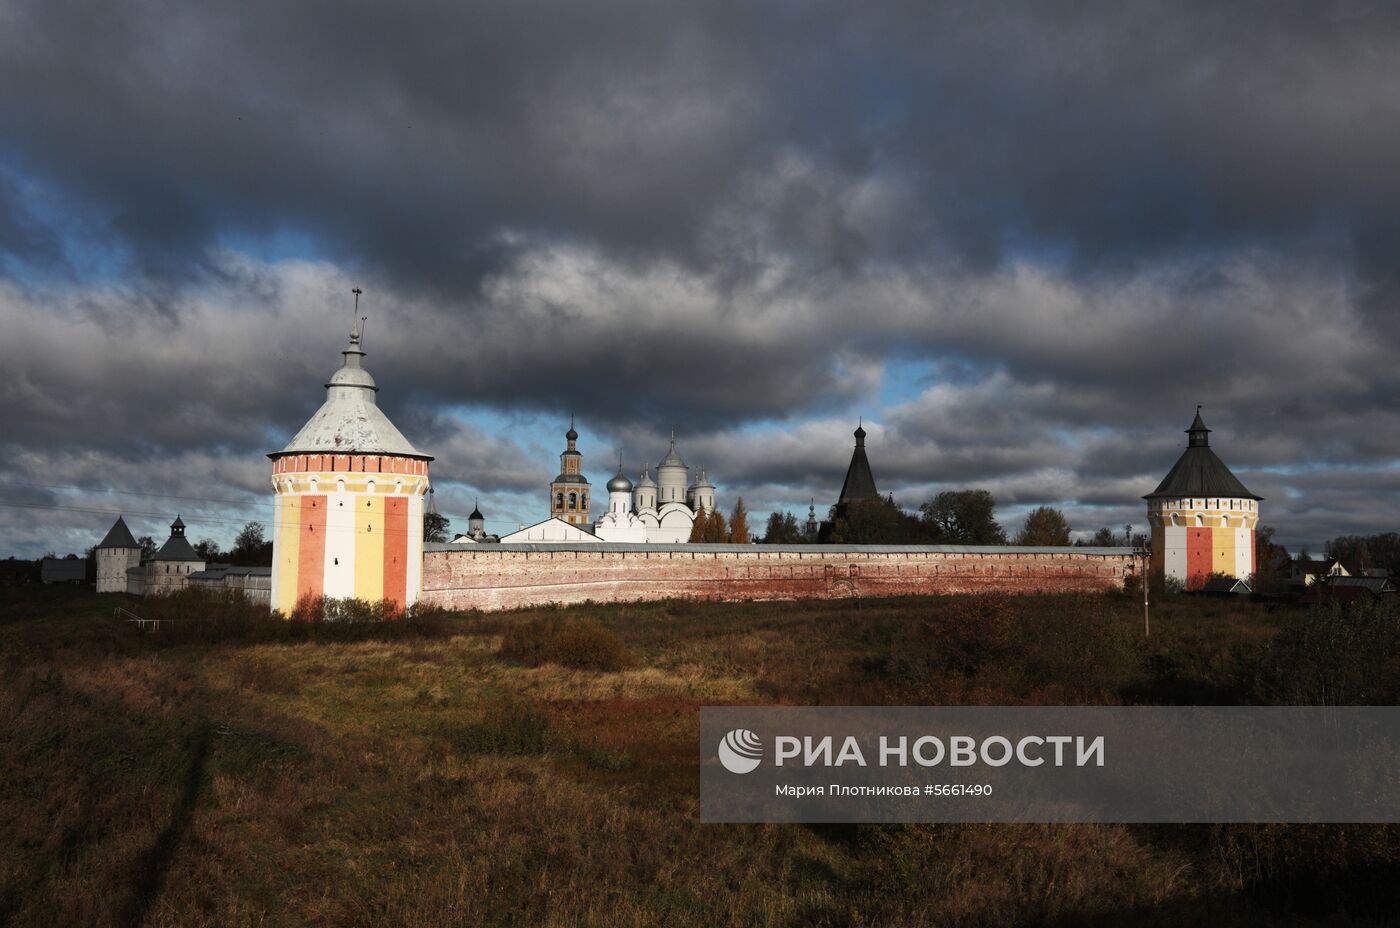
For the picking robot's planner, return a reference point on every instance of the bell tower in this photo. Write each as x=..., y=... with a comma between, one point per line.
x=568, y=494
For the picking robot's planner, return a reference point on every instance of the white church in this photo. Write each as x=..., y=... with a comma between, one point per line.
x=660, y=511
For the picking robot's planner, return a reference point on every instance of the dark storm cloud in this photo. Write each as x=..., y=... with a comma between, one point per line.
x=407, y=138
x=726, y=217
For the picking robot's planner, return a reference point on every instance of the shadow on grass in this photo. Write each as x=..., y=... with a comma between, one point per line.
x=153, y=866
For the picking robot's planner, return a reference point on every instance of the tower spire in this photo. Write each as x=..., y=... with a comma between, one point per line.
x=355, y=318
x=1199, y=434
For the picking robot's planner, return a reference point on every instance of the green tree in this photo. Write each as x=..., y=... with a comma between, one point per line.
x=148, y=547
x=1103, y=538
x=1361, y=552
x=208, y=549
x=435, y=526
x=250, y=548
x=1270, y=561
x=878, y=521
x=1044, y=527
x=783, y=529
x=964, y=517
x=739, y=523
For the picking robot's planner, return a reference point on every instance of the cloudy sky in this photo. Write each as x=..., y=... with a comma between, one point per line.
x=1022, y=240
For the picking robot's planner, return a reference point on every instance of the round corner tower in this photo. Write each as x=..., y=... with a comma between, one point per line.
x=349, y=495
x=1202, y=517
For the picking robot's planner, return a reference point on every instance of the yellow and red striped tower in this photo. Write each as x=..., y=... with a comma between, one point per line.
x=349, y=492
x=1202, y=517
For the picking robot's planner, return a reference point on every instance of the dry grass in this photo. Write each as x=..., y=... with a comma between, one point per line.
x=582, y=644
x=234, y=771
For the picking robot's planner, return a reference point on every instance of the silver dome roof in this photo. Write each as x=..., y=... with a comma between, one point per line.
x=672, y=459
x=350, y=420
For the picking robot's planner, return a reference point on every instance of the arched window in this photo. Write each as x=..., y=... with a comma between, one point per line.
x=573, y=500
x=583, y=502
x=1200, y=521
x=559, y=501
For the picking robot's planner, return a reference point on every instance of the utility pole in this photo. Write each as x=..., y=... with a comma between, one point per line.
x=1146, y=619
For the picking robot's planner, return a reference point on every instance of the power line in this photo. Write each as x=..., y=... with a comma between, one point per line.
x=270, y=524
x=54, y=486
x=153, y=515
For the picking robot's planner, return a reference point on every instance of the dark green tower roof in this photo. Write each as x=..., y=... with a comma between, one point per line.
x=1198, y=472
x=860, y=482
x=118, y=536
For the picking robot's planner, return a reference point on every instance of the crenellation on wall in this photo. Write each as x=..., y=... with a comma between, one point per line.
x=505, y=577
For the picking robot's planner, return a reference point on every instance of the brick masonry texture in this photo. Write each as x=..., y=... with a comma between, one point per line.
x=493, y=577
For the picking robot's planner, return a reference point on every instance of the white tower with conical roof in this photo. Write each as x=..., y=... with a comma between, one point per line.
x=1202, y=517
x=116, y=553
x=671, y=476
x=349, y=495
x=644, y=495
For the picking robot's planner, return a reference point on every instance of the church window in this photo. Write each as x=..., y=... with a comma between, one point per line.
x=559, y=501
x=573, y=500
x=583, y=503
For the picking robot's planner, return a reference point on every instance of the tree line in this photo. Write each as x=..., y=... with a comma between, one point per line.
x=960, y=517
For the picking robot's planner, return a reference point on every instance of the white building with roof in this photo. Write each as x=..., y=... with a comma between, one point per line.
x=667, y=507
x=168, y=571
x=550, y=531
x=620, y=523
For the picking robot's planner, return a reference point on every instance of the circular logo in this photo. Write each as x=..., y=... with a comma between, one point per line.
x=740, y=751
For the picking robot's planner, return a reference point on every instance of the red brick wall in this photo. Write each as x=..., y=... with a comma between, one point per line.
x=494, y=577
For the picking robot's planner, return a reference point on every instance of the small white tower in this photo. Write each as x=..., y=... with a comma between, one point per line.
x=703, y=493
x=671, y=476
x=169, y=571
x=619, y=493
x=620, y=523
x=644, y=497
x=116, y=553
x=476, y=522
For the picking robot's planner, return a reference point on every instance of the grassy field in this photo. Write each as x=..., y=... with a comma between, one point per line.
x=540, y=767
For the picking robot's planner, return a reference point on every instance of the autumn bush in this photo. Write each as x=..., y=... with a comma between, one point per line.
x=582, y=644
